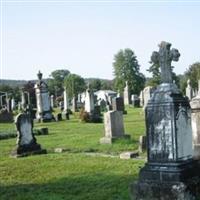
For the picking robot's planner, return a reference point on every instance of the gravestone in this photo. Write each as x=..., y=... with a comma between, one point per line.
x=126, y=94
x=195, y=106
x=89, y=101
x=113, y=126
x=118, y=104
x=170, y=171
x=52, y=101
x=74, y=104
x=147, y=93
x=142, y=144
x=42, y=98
x=189, y=90
x=135, y=100
x=13, y=105
x=23, y=100
x=8, y=105
x=66, y=101
x=141, y=97
x=26, y=142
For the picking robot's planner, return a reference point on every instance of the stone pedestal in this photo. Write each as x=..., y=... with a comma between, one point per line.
x=114, y=127
x=170, y=171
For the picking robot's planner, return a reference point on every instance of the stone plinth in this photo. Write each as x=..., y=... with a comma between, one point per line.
x=113, y=126
x=170, y=171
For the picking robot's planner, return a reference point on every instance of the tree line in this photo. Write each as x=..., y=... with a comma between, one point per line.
x=125, y=68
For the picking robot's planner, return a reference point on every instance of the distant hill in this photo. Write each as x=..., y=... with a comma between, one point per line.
x=12, y=83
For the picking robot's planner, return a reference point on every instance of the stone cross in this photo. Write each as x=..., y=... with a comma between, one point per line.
x=164, y=58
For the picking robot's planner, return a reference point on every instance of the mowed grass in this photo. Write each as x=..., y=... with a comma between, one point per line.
x=75, y=174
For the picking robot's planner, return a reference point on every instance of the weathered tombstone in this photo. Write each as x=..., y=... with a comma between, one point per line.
x=141, y=97
x=23, y=100
x=135, y=100
x=74, y=104
x=26, y=142
x=126, y=94
x=52, y=101
x=66, y=101
x=195, y=106
x=13, y=105
x=42, y=97
x=114, y=127
x=89, y=101
x=147, y=93
x=8, y=105
x=189, y=90
x=118, y=104
x=142, y=144
x=170, y=171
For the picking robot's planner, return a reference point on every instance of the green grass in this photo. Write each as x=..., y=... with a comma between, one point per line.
x=73, y=175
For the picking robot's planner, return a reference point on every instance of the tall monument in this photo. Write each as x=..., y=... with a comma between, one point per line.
x=43, y=103
x=170, y=171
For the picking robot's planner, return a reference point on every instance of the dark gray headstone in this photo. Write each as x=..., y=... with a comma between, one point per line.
x=26, y=142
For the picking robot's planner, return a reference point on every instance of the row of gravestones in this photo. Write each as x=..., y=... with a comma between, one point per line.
x=171, y=171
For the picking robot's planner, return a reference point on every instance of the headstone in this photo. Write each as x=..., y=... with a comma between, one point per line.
x=142, y=144
x=26, y=142
x=74, y=105
x=52, y=101
x=89, y=101
x=195, y=106
x=189, y=90
x=147, y=93
x=141, y=98
x=42, y=97
x=170, y=171
x=66, y=101
x=23, y=100
x=114, y=127
x=129, y=155
x=13, y=105
x=135, y=100
x=8, y=106
x=118, y=104
x=126, y=94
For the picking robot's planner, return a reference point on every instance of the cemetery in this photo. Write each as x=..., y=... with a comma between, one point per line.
x=99, y=100
x=136, y=147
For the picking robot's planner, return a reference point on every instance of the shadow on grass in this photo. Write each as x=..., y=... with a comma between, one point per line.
x=92, y=187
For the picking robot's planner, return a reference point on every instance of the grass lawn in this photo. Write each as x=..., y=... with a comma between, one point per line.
x=75, y=174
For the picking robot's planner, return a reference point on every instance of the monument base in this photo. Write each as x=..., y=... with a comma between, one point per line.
x=170, y=181
x=26, y=150
x=110, y=140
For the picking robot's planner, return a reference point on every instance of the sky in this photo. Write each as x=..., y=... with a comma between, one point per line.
x=83, y=36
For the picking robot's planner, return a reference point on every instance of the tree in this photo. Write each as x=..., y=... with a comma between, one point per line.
x=95, y=84
x=126, y=68
x=55, y=84
x=192, y=73
x=74, y=84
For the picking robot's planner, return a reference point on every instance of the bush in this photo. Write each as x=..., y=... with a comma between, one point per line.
x=84, y=116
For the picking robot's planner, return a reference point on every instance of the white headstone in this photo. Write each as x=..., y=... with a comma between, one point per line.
x=189, y=91
x=89, y=101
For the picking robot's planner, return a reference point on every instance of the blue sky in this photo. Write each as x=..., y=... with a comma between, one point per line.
x=84, y=36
